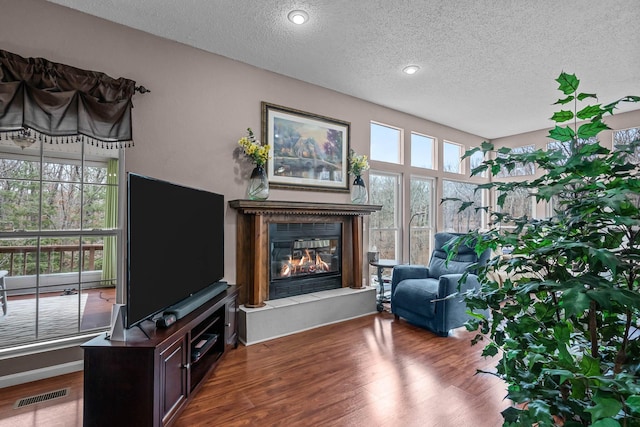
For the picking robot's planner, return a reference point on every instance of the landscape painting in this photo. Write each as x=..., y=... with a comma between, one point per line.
x=306, y=150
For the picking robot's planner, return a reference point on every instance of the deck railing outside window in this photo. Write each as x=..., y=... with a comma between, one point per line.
x=22, y=260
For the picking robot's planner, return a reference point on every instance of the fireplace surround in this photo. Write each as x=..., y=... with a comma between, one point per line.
x=256, y=222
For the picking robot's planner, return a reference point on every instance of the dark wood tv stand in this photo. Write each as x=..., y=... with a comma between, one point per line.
x=148, y=381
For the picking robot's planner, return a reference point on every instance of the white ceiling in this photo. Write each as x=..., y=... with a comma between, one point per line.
x=487, y=67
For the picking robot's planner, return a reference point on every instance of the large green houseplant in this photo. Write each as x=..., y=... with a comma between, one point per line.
x=564, y=323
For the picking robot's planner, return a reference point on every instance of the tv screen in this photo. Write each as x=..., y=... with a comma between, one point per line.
x=175, y=244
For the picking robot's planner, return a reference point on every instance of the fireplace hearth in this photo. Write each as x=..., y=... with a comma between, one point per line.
x=304, y=258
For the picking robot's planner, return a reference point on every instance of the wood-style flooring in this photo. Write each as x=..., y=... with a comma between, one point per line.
x=370, y=371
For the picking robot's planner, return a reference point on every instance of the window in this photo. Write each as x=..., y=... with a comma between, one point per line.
x=420, y=220
x=451, y=155
x=563, y=152
x=476, y=160
x=517, y=203
x=625, y=137
x=386, y=143
x=58, y=239
x=422, y=151
x=383, y=225
x=469, y=219
x=518, y=169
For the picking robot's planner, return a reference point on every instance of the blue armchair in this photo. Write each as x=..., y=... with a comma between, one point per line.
x=419, y=293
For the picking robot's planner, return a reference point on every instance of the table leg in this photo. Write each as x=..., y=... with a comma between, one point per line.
x=381, y=291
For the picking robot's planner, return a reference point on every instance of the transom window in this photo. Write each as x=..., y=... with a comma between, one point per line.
x=451, y=155
x=386, y=143
x=422, y=151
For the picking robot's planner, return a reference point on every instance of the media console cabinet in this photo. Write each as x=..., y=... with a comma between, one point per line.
x=148, y=381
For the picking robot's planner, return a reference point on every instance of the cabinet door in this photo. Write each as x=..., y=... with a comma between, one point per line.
x=173, y=379
x=231, y=322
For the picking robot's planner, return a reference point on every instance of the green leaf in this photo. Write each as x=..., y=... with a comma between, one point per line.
x=568, y=83
x=605, y=407
x=562, y=134
x=583, y=96
x=562, y=116
x=590, y=366
x=464, y=206
x=470, y=152
x=566, y=100
x=486, y=146
x=588, y=112
x=606, y=422
x=588, y=130
x=575, y=301
x=633, y=402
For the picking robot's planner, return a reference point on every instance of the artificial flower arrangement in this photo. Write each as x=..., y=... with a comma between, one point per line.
x=254, y=149
x=357, y=163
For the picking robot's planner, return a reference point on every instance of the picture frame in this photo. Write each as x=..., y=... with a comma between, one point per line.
x=307, y=151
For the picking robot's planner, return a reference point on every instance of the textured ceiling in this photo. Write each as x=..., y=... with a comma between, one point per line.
x=487, y=67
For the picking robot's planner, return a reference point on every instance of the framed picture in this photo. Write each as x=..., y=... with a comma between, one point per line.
x=306, y=150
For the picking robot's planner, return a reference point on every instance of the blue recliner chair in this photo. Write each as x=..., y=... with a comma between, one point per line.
x=419, y=293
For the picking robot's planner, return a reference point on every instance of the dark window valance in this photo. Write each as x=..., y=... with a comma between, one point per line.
x=60, y=103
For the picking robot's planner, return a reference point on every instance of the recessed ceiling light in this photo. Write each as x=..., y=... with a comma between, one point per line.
x=298, y=17
x=410, y=69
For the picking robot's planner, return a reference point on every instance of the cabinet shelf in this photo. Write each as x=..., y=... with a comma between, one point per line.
x=151, y=379
x=201, y=347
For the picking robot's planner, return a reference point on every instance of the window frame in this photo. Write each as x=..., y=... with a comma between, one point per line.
x=83, y=157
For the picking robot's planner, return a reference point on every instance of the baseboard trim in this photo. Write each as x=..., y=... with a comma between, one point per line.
x=40, y=374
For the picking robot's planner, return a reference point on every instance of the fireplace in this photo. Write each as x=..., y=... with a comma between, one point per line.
x=304, y=258
x=254, y=251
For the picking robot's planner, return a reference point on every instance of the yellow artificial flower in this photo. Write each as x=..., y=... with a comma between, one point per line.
x=357, y=163
x=253, y=149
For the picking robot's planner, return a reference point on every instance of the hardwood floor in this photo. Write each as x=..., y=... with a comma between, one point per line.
x=370, y=371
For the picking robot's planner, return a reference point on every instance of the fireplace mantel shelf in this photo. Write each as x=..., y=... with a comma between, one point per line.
x=272, y=207
x=252, y=240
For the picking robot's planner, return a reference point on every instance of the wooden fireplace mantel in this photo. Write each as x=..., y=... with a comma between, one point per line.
x=252, y=240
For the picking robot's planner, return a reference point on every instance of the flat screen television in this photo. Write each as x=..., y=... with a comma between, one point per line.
x=175, y=244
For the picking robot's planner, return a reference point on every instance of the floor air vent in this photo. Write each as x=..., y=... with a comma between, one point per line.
x=44, y=397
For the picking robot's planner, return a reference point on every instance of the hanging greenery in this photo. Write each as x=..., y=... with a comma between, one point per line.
x=565, y=317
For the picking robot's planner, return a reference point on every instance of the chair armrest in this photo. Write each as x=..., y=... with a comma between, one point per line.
x=449, y=284
x=402, y=272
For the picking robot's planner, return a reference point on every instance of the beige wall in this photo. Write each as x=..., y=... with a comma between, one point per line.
x=187, y=128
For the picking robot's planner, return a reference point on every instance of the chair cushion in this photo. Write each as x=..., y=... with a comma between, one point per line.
x=416, y=295
x=439, y=266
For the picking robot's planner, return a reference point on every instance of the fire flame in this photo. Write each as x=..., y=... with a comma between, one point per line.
x=305, y=265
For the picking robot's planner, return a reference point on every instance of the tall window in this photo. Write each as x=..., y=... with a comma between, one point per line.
x=422, y=151
x=386, y=143
x=517, y=203
x=58, y=221
x=451, y=154
x=384, y=225
x=420, y=220
x=469, y=219
x=625, y=137
x=519, y=169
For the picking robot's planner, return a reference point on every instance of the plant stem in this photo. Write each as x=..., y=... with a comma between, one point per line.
x=593, y=329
